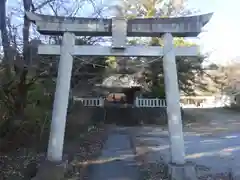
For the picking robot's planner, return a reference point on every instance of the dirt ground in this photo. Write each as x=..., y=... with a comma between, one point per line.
x=212, y=120
x=82, y=143
x=209, y=134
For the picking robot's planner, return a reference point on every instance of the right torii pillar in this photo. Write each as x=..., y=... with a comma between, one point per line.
x=173, y=101
x=178, y=169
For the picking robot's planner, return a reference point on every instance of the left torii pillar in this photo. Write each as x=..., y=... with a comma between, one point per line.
x=54, y=167
x=60, y=106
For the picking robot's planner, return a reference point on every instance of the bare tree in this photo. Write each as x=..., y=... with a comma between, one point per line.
x=5, y=39
x=19, y=47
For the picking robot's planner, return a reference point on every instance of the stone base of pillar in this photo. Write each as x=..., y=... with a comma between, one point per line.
x=51, y=171
x=182, y=172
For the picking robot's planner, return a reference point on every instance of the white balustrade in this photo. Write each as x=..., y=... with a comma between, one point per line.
x=205, y=101
x=91, y=102
x=150, y=102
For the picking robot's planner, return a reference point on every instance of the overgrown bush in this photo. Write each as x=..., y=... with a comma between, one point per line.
x=25, y=107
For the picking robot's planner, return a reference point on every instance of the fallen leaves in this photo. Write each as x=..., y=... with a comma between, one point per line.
x=88, y=149
x=17, y=164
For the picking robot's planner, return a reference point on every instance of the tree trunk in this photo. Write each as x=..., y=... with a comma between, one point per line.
x=21, y=100
x=5, y=40
x=26, y=55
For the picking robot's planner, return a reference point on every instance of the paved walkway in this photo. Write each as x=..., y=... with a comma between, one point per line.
x=117, y=160
x=212, y=143
x=218, y=154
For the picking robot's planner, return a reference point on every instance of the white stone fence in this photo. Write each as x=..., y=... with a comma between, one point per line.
x=150, y=102
x=205, y=101
x=139, y=102
x=186, y=101
x=90, y=102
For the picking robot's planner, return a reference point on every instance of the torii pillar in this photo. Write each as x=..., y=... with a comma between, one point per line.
x=61, y=98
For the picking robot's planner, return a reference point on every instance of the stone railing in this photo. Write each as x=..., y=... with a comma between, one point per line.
x=90, y=102
x=150, y=102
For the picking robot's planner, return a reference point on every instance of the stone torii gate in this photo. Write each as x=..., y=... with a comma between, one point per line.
x=119, y=29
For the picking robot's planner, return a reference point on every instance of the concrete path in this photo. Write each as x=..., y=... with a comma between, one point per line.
x=117, y=159
x=213, y=145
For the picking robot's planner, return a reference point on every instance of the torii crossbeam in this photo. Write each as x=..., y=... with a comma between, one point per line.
x=148, y=27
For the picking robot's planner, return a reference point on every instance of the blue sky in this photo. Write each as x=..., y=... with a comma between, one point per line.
x=221, y=35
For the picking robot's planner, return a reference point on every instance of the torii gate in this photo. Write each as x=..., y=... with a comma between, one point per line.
x=119, y=29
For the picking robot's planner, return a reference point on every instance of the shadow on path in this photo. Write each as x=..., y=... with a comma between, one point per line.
x=120, y=116
x=117, y=160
